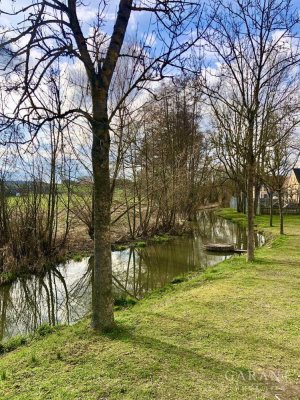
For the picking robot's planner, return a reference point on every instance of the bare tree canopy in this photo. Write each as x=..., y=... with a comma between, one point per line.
x=50, y=35
x=254, y=51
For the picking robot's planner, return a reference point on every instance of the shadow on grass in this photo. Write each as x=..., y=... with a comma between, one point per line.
x=189, y=363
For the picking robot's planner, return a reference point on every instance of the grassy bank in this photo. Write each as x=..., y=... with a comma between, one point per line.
x=231, y=333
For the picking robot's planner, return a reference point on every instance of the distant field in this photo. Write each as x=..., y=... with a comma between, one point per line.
x=80, y=206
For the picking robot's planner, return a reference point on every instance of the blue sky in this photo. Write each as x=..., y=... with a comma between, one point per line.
x=140, y=22
x=86, y=14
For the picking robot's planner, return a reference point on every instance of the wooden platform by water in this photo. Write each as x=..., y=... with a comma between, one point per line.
x=224, y=248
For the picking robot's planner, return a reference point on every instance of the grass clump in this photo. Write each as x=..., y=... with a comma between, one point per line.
x=140, y=244
x=77, y=257
x=22, y=340
x=7, y=277
x=124, y=302
x=119, y=247
x=178, y=279
x=13, y=343
x=160, y=238
x=44, y=330
x=234, y=216
x=33, y=359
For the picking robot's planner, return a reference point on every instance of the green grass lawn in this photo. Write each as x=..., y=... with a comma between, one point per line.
x=231, y=333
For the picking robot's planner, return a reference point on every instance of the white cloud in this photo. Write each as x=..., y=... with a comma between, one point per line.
x=86, y=14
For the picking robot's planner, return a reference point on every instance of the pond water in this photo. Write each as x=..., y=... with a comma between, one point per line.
x=63, y=295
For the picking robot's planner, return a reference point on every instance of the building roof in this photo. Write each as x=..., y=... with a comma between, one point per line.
x=297, y=173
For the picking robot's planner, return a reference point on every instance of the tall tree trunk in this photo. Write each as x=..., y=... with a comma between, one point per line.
x=238, y=203
x=271, y=208
x=3, y=214
x=280, y=212
x=256, y=200
x=250, y=211
x=250, y=186
x=102, y=304
x=3, y=309
x=102, y=299
x=244, y=203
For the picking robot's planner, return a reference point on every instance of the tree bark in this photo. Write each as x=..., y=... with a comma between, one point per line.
x=250, y=211
x=102, y=298
x=256, y=199
x=271, y=208
x=239, y=206
x=280, y=212
x=244, y=203
x=102, y=313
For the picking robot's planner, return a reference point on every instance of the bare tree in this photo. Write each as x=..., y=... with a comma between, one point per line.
x=257, y=48
x=227, y=137
x=52, y=30
x=280, y=158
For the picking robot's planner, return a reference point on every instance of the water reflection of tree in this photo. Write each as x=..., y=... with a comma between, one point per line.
x=49, y=298
x=214, y=229
x=60, y=297
x=156, y=265
x=4, y=297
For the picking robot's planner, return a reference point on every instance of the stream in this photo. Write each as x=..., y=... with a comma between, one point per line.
x=63, y=294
